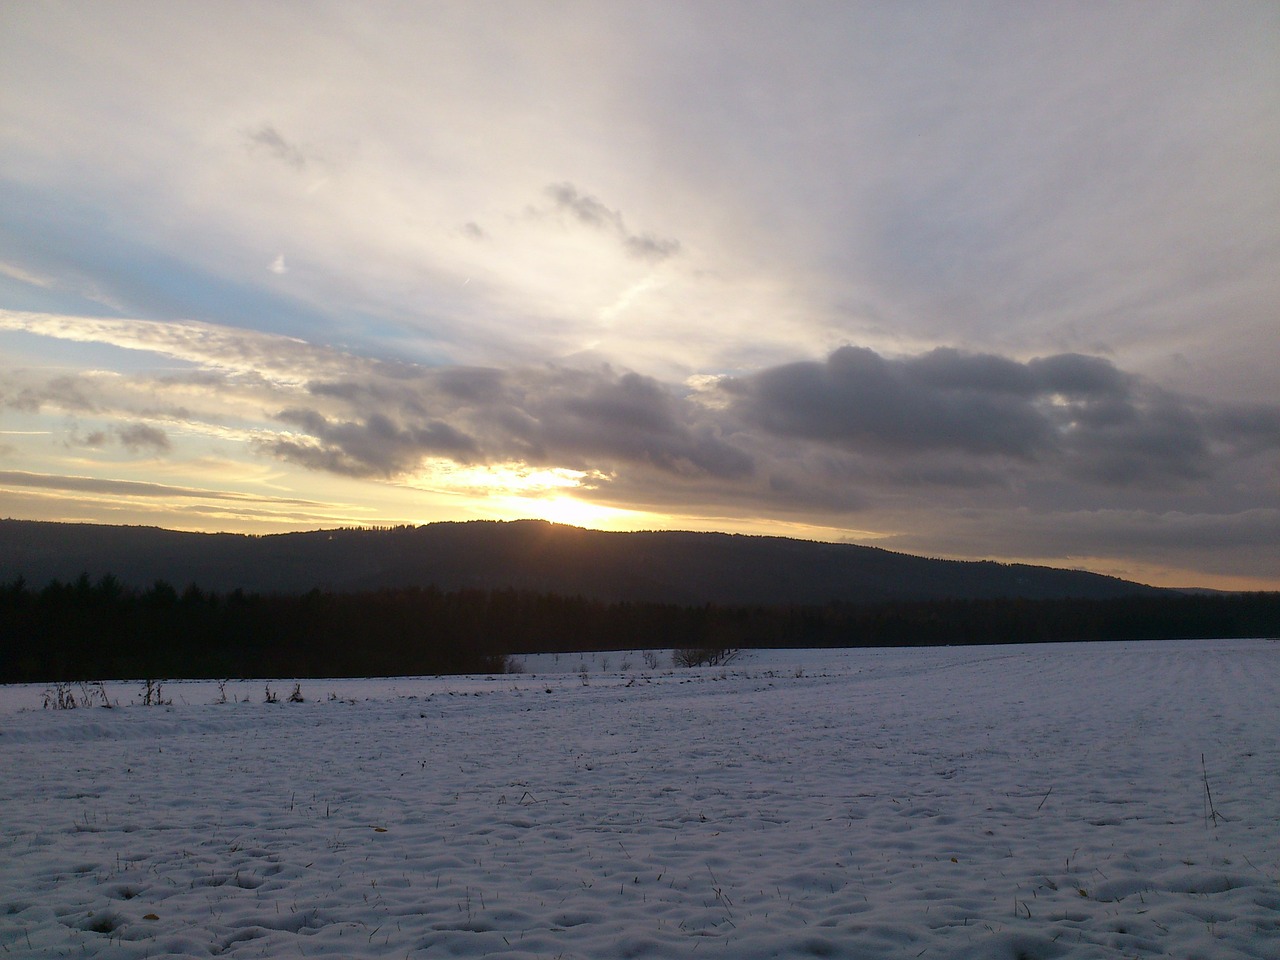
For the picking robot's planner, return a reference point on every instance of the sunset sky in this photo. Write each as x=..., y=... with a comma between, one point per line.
x=958, y=279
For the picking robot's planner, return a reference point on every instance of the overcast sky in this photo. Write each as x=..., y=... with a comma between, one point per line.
x=958, y=279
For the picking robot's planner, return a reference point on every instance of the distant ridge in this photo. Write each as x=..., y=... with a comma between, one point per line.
x=532, y=555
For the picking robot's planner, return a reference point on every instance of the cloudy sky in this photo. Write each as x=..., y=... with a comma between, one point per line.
x=958, y=279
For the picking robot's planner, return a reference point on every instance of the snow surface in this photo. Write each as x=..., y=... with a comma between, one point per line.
x=998, y=802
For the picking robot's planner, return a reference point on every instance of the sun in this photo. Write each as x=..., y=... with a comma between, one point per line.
x=580, y=513
x=519, y=491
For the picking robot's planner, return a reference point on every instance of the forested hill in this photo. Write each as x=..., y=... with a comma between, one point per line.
x=531, y=555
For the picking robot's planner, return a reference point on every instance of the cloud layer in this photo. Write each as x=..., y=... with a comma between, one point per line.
x=913, y=443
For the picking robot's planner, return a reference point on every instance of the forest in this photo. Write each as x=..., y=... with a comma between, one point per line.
x=94, y=630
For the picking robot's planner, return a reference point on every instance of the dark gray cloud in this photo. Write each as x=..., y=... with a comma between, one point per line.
x=1251, y=428
x=1076, y=375
x=373, y=444
x=595, y=419
x=477, y=385
x=591, y=212
x=633, y=419
x=942, y=400
x=1160, y=441
x=1079, y=416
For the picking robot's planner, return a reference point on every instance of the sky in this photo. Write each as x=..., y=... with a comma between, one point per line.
x=971, y=280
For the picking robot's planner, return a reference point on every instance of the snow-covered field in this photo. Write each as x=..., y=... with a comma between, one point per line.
x=1003, y=802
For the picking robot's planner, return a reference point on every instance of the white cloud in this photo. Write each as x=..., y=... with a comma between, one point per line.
x=250, y=353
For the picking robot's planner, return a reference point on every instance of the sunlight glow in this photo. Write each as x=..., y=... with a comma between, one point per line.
x=517, y=491
x=511, y=478
x=577, y=513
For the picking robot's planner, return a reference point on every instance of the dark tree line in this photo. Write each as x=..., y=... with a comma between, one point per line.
x=84, y=630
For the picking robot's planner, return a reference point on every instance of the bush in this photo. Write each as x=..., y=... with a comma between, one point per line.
x=703, y=656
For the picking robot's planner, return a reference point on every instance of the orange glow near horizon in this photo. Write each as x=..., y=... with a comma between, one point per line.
x=507, y=492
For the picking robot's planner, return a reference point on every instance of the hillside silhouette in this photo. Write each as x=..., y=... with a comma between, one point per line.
x=530, y=555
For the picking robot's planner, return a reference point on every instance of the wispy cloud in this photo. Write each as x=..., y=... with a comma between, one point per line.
x=268, y=138
x=25, y=276
x=135, y=488
x=591, y=212
x=247, y=353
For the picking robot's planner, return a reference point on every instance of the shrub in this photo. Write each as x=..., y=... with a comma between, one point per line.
x=60, y=697
x=703, y=656
x=151, y=695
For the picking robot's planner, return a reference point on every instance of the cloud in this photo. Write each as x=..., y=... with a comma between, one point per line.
x=860, y=399
x=1250, y=428
x=590, y=212
x=141, y=436
x=372, y=445
x=850, y=431
x=629, y=418
x=909, y=444
x=870, y=172
x=1079, y=376
x=586, y=209
x=945, y=451
x=840, y=430
x=64, y=393
x=648, y=247
x=249, y=354
x=1073, y=415
x=270, y=139
x=136, y=438
x=24, y=276
x=136, y=488
x=592, y=419
x=96, y=439
x=1226, y=542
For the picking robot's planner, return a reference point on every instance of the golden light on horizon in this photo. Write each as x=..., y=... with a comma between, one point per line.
x=497, y=479
x=518, y=491
x=577, y=513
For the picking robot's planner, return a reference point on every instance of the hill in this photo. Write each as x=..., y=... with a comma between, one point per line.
x=531, y=555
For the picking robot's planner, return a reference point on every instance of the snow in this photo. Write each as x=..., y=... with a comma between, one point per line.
x=996, y=802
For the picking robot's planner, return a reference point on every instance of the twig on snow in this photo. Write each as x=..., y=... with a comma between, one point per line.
x=1211, y=812
x=1044, y=798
